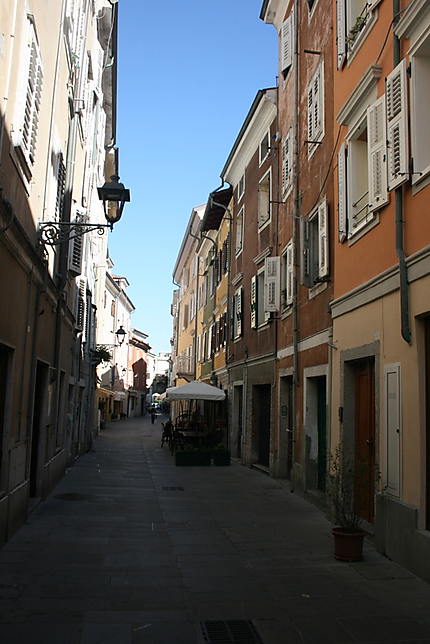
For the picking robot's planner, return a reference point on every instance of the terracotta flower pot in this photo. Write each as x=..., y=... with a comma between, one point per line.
x=348, y=544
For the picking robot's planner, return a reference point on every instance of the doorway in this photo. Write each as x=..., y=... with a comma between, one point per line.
x=364, y=440
x=40, y=389
x=286, y=426
x=261, y=412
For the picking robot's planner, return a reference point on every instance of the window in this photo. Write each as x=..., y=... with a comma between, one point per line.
x=363, y=172
x=420, y=135
x=287, y=163
x=315, y=110
x=271, y=284
x=288, y=274
x=315, y=246
x=241, y=187
x=237, y=314
x=264, y=147
x=26, y=119
x=60, y=173
x=264, y=199
x=239, y=231
x=258, y=315
x=354, y=19
x=287, y=44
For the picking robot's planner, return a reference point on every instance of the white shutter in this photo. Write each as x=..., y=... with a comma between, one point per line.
x=238, y=311
x=289, y=273
x=26, y=123
x=315, y=109
x=254, y=302
x=377, y=154
x=76, y=252
x=342, y=192
x=323, y=240
x=287, y=162
x=272, y=291
x=306, y=275
x=80, y=305
x=341, y=33
x=287, y=47
x=392, y=427
x=397, y=126
x=209, y=346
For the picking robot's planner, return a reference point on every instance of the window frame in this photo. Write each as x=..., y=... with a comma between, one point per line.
x=266, y=176
x=241, y=215
x=266, y=139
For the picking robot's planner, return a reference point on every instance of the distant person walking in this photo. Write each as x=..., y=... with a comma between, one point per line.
x=152, y=415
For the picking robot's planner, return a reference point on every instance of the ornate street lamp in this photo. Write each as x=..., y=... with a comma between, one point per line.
x=120, y=334
x=112, y=194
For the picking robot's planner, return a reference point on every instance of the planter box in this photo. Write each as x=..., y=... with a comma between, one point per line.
x=187, y=458
x=221, y=458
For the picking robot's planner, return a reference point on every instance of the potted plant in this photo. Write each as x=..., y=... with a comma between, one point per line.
x=341, y=484
x=221, y=455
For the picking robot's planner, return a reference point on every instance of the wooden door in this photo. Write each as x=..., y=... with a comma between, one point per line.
x=364, y=482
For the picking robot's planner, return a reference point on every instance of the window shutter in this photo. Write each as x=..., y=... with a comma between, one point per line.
x=317, y=107
x=272, y=291
x=287, y=162
x=29, y=97
x=76, y=251
x=209, y=345
x=305, y=240
x=239, y=296
x=289, y=273
x=342, y=203
x=323, y=250
x=61, y=184
x=377, y=154
x=397, y=126
x=341, y=33
x=287, y=35
x=80, y=305
x=254, y=302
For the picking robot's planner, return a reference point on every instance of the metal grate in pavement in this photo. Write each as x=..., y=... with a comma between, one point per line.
x=172, y=488
x=233, y=631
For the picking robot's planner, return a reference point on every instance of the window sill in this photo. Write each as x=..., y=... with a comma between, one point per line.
x=363, y=230
x=263, y=327
x=317, y=289
x=264, y=225
x=361, y=37
x=422, y=181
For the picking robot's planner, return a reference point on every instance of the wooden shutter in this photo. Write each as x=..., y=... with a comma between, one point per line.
x=80, y=304
x=253, y=302
x=341, y=33
x=392, y=427
x=287, y=47
x=397, y=126
x=289, y=273
x=238, y=311
x=323, y=240
x=61, y=184
x=342, y=192
x=287, y=162
x=272, y=291
x=315, y=109
x=76, y=251
x=306, y=276
x=377, y=154
x=25, y=128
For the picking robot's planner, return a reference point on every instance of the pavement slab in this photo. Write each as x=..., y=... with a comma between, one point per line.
x=130, y=549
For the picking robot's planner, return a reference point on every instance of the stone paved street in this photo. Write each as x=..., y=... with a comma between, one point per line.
x=130, y=549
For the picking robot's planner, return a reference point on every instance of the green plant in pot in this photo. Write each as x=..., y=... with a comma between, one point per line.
x=344, y=482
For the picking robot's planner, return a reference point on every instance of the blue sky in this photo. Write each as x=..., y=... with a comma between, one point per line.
x=187, y=75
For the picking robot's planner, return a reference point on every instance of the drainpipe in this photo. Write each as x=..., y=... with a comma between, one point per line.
x=296, y=232
x=400, y=222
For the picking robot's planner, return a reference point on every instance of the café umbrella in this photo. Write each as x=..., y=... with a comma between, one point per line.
x=194, y=390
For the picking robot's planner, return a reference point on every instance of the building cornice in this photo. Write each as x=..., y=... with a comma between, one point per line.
x=412, y=17
x=257, y=122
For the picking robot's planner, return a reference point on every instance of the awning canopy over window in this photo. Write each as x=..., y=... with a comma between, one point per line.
x=215, y=209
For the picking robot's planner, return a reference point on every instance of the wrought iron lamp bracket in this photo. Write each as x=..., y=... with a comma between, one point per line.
x=53, y=233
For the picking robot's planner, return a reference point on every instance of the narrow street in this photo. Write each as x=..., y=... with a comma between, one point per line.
x=129, y=549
